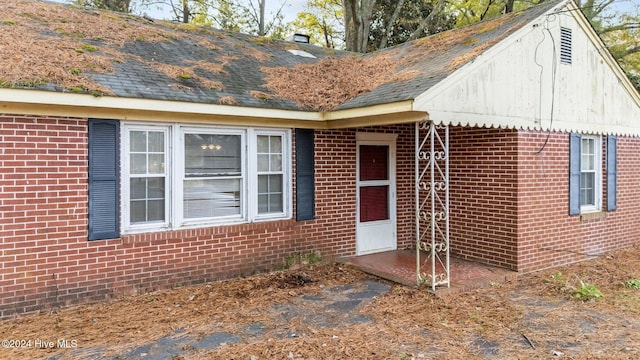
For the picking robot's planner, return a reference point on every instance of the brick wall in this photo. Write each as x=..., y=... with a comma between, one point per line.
x=548, y=236
x=48, y=262
x=508, y=208
x=483, y=195
x=509, y=204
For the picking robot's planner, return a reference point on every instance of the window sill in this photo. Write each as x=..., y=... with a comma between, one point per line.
x=593, y=216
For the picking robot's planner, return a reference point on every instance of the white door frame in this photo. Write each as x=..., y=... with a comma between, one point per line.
x=389, y=226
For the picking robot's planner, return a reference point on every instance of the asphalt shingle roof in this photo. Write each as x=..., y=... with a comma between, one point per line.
x=167, y=61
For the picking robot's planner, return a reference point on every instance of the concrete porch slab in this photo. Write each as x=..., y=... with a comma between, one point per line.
x=400, y=266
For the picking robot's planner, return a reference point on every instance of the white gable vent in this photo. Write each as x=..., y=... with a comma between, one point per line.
x=565, y=45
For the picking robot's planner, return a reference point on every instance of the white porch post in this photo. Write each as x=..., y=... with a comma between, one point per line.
x=432, y=203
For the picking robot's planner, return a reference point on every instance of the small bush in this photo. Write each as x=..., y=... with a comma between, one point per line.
x=633, y=284
x=587, y=292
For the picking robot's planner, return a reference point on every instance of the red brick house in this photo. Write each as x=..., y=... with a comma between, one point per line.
x=138, y=156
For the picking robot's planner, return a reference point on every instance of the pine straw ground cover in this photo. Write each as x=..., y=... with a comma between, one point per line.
x=533, y=317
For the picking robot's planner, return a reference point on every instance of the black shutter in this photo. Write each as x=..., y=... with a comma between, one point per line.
x=612, y=173
x=305, y=187
x=574, y=173
x=104, y=179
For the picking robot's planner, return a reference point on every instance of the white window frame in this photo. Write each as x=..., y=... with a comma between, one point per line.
x=180, y=176
x=286, y=176
x=126, y=176
x=174, y=172
x=598, y=174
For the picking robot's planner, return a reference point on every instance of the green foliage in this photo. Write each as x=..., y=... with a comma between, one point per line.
x=113, y=5
x=8, y=22
x=302, y=259
x=77, y=89
x=413, y=20
x=558, y=282
x=322, y=21
x=75, y=71
x=89, y=48
x=587, y=292
x=632, y=284
x=185, y=76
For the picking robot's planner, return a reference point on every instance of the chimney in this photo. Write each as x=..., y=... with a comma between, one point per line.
x=299, y=38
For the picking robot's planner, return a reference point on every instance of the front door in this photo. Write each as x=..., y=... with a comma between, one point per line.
x=376, y=192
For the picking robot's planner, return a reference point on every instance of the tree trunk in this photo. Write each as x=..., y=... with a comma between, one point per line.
x=261, y=4
x=508, y=7
x=426, y=22
x=390, y=24
x=357, y=21
x=185, y=12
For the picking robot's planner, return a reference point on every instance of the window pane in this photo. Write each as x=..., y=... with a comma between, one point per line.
x=269, y=153
x=139, y=163
x=588, y=154
x=263, y=204
x=263, y=144
x=211, y=198
x=263, y=184
x=156, y=163
x=263, y=162
x=276, y=144
x=587, y=188
x=275, y=183
x=270, y=199
x=276, y=162
x=138, y=188
x=156, y=210
x=156, y=188
x=209, y=155
x=275, y=203
x=156, y=141
x=138, y=141
x=138, y=211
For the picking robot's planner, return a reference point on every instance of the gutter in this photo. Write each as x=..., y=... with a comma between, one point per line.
x=48, y=103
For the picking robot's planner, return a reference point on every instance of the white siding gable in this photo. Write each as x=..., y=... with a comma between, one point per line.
x=519, y=82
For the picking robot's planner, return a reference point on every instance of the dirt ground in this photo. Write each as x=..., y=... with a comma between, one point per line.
x=333, y=311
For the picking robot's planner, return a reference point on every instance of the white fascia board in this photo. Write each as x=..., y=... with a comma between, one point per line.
x=120, y=104
x=451, y=80
x=375, y=110
x=49, y=103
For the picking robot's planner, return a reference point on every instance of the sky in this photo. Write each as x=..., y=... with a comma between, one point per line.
x=293, y=7
x=290, y=10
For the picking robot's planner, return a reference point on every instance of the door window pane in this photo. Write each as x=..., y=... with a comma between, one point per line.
x=374, y=203
x=374, y=162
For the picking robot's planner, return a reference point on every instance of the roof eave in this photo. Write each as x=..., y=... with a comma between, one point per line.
x=383, y=114
x=49, y=103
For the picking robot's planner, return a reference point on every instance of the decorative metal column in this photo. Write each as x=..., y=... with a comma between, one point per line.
x=432, y=204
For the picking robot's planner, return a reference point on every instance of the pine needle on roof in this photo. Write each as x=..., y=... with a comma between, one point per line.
x=328, y=83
